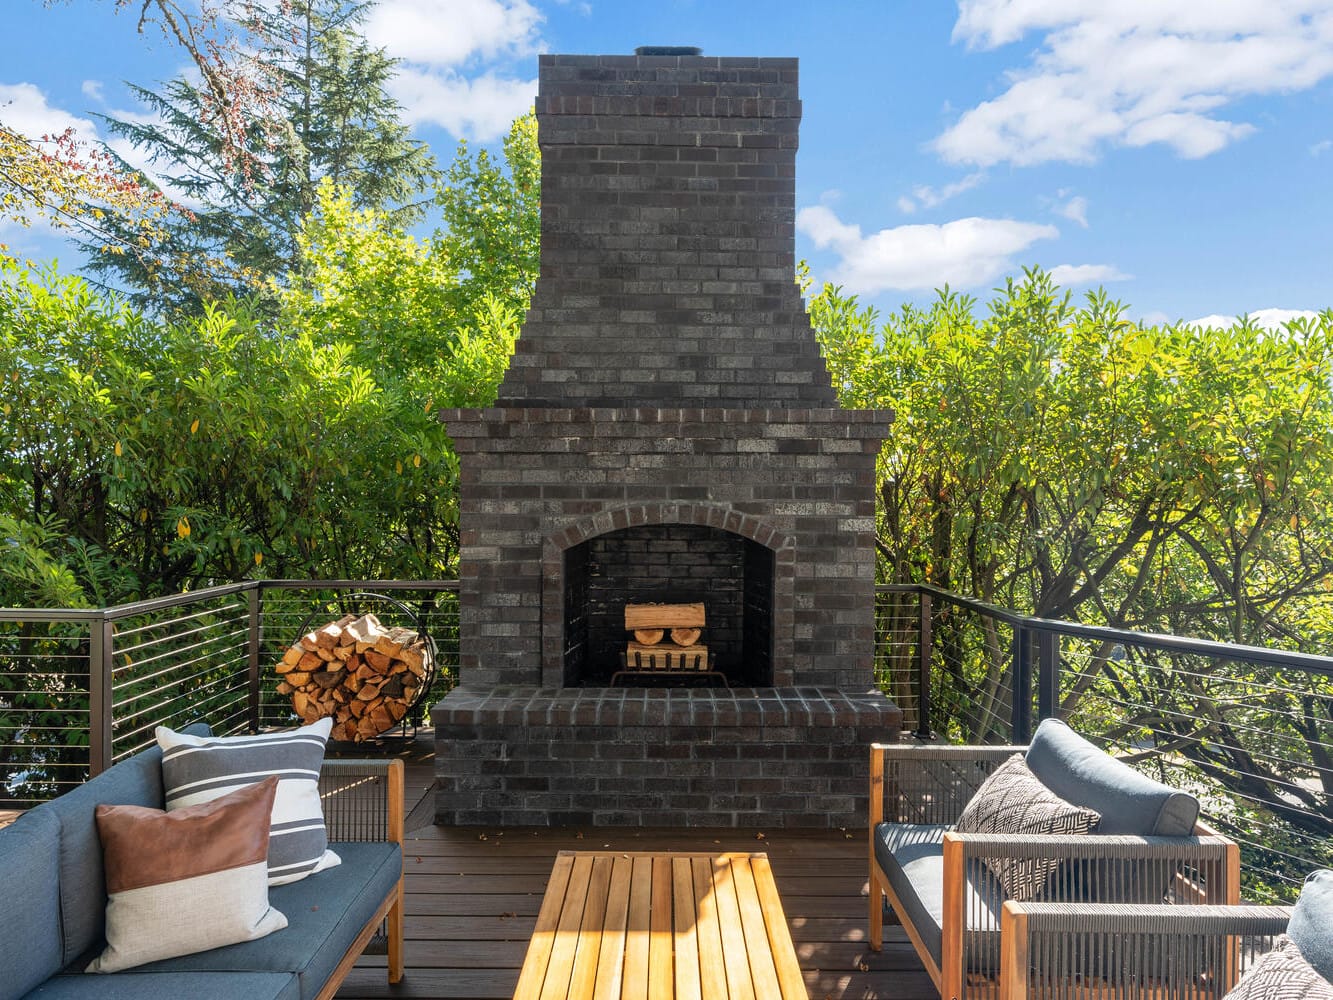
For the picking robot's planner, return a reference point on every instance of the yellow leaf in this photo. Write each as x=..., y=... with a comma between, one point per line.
x=416, y=461
x=399, y=466
x=143, y=515
x=183, y=527
x=119, y=452
x=429, y=404
x=259, y=558
x=194, y=427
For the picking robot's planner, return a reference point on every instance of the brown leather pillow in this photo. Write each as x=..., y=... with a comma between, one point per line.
x=188, y=880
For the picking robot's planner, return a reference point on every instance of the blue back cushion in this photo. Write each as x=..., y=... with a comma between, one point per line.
x=30, y=914
x=1130, y=802
x=136, y=781
x=1311, y=924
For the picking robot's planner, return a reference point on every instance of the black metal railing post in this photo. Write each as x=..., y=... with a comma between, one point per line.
x=1048, y=674
x=1021, y=709
x=254, y=639
x=924, y=648
x=101, y=696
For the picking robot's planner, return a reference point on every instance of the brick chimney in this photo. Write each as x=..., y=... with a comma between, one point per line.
x=666, y=431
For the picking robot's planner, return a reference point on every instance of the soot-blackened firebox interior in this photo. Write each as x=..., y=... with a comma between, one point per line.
x=730, y=575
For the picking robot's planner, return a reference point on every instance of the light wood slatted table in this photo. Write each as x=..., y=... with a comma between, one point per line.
x=652, y=926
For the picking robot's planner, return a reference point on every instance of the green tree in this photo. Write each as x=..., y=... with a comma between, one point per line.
x=1066, y=463
x=328, y=117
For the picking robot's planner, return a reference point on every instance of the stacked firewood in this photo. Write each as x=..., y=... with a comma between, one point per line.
x=654, y=623
x=362, y=674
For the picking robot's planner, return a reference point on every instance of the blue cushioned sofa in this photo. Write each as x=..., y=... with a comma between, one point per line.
x=1148, y=849
x=52, y=917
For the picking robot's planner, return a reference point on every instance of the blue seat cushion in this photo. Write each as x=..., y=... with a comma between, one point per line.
x=1129, y=802
x=30, y=914
x=911, y=856
x=325, y=912
x=1311, y=924
x=136, y=985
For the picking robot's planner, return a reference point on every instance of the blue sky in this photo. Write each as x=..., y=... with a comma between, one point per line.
x=1178, y=153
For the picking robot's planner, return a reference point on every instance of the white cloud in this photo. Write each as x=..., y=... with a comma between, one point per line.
x=1075, y=210
x=1086, y=274
x=1320, y=148
x=925, y=196
x=964, y=253
x=482, y=107
x=24, y=109
x=92, y=89
x=1268, y=319
x=1132, y=72
x=438, y=39
x=444, y=33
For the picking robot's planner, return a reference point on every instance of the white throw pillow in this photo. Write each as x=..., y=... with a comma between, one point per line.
x=198, y=769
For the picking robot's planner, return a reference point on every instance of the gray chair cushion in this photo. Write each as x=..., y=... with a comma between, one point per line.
x=30, y=914
x=911, y=857
x=325, y=912
x=1311, y=924
x=137, y=985
x=1129, y=802
x=136, y=781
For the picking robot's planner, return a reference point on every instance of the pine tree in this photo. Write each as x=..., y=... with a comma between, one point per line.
x=331, y=117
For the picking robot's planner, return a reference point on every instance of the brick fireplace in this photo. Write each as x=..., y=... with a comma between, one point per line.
x=666, y=432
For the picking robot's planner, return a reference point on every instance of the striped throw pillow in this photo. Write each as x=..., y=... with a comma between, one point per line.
x=200, y=768
x=185, y=881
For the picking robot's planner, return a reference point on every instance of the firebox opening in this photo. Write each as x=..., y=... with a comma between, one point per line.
x=730, y=575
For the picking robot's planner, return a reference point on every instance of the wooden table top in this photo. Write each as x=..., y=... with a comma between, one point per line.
x=652, y=926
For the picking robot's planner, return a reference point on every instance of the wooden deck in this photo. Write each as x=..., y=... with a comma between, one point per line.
x=473, y=895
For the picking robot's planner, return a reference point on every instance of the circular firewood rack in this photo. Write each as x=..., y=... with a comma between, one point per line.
x=364, y=602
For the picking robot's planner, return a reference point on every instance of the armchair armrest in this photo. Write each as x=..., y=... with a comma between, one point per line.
x=1150, y=870
x=362, y=799
x=1055, y=950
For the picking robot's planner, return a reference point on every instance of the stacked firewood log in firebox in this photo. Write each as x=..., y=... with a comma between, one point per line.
x=666, y=637
x=362, y=674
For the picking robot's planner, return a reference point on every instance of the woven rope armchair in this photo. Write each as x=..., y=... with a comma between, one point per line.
x=941, y=890
x=1055, y=951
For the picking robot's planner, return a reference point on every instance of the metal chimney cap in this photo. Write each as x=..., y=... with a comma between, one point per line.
x=668, y=50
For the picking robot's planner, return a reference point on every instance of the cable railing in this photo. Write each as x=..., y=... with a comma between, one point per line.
x=1249, y=730
x=82, y=689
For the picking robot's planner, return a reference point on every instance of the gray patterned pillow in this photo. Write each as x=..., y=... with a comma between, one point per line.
x=201, y=768
x=1013, y=800
x=1282, y=974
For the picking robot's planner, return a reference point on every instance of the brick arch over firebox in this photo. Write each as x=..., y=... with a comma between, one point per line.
x=719, y=517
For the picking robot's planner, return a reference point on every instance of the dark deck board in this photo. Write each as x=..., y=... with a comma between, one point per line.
x=473, y=896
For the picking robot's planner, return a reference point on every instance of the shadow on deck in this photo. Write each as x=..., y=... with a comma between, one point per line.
x=473, y=895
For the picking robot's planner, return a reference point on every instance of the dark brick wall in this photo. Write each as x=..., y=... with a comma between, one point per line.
x=668, y=228
x=538, y=481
